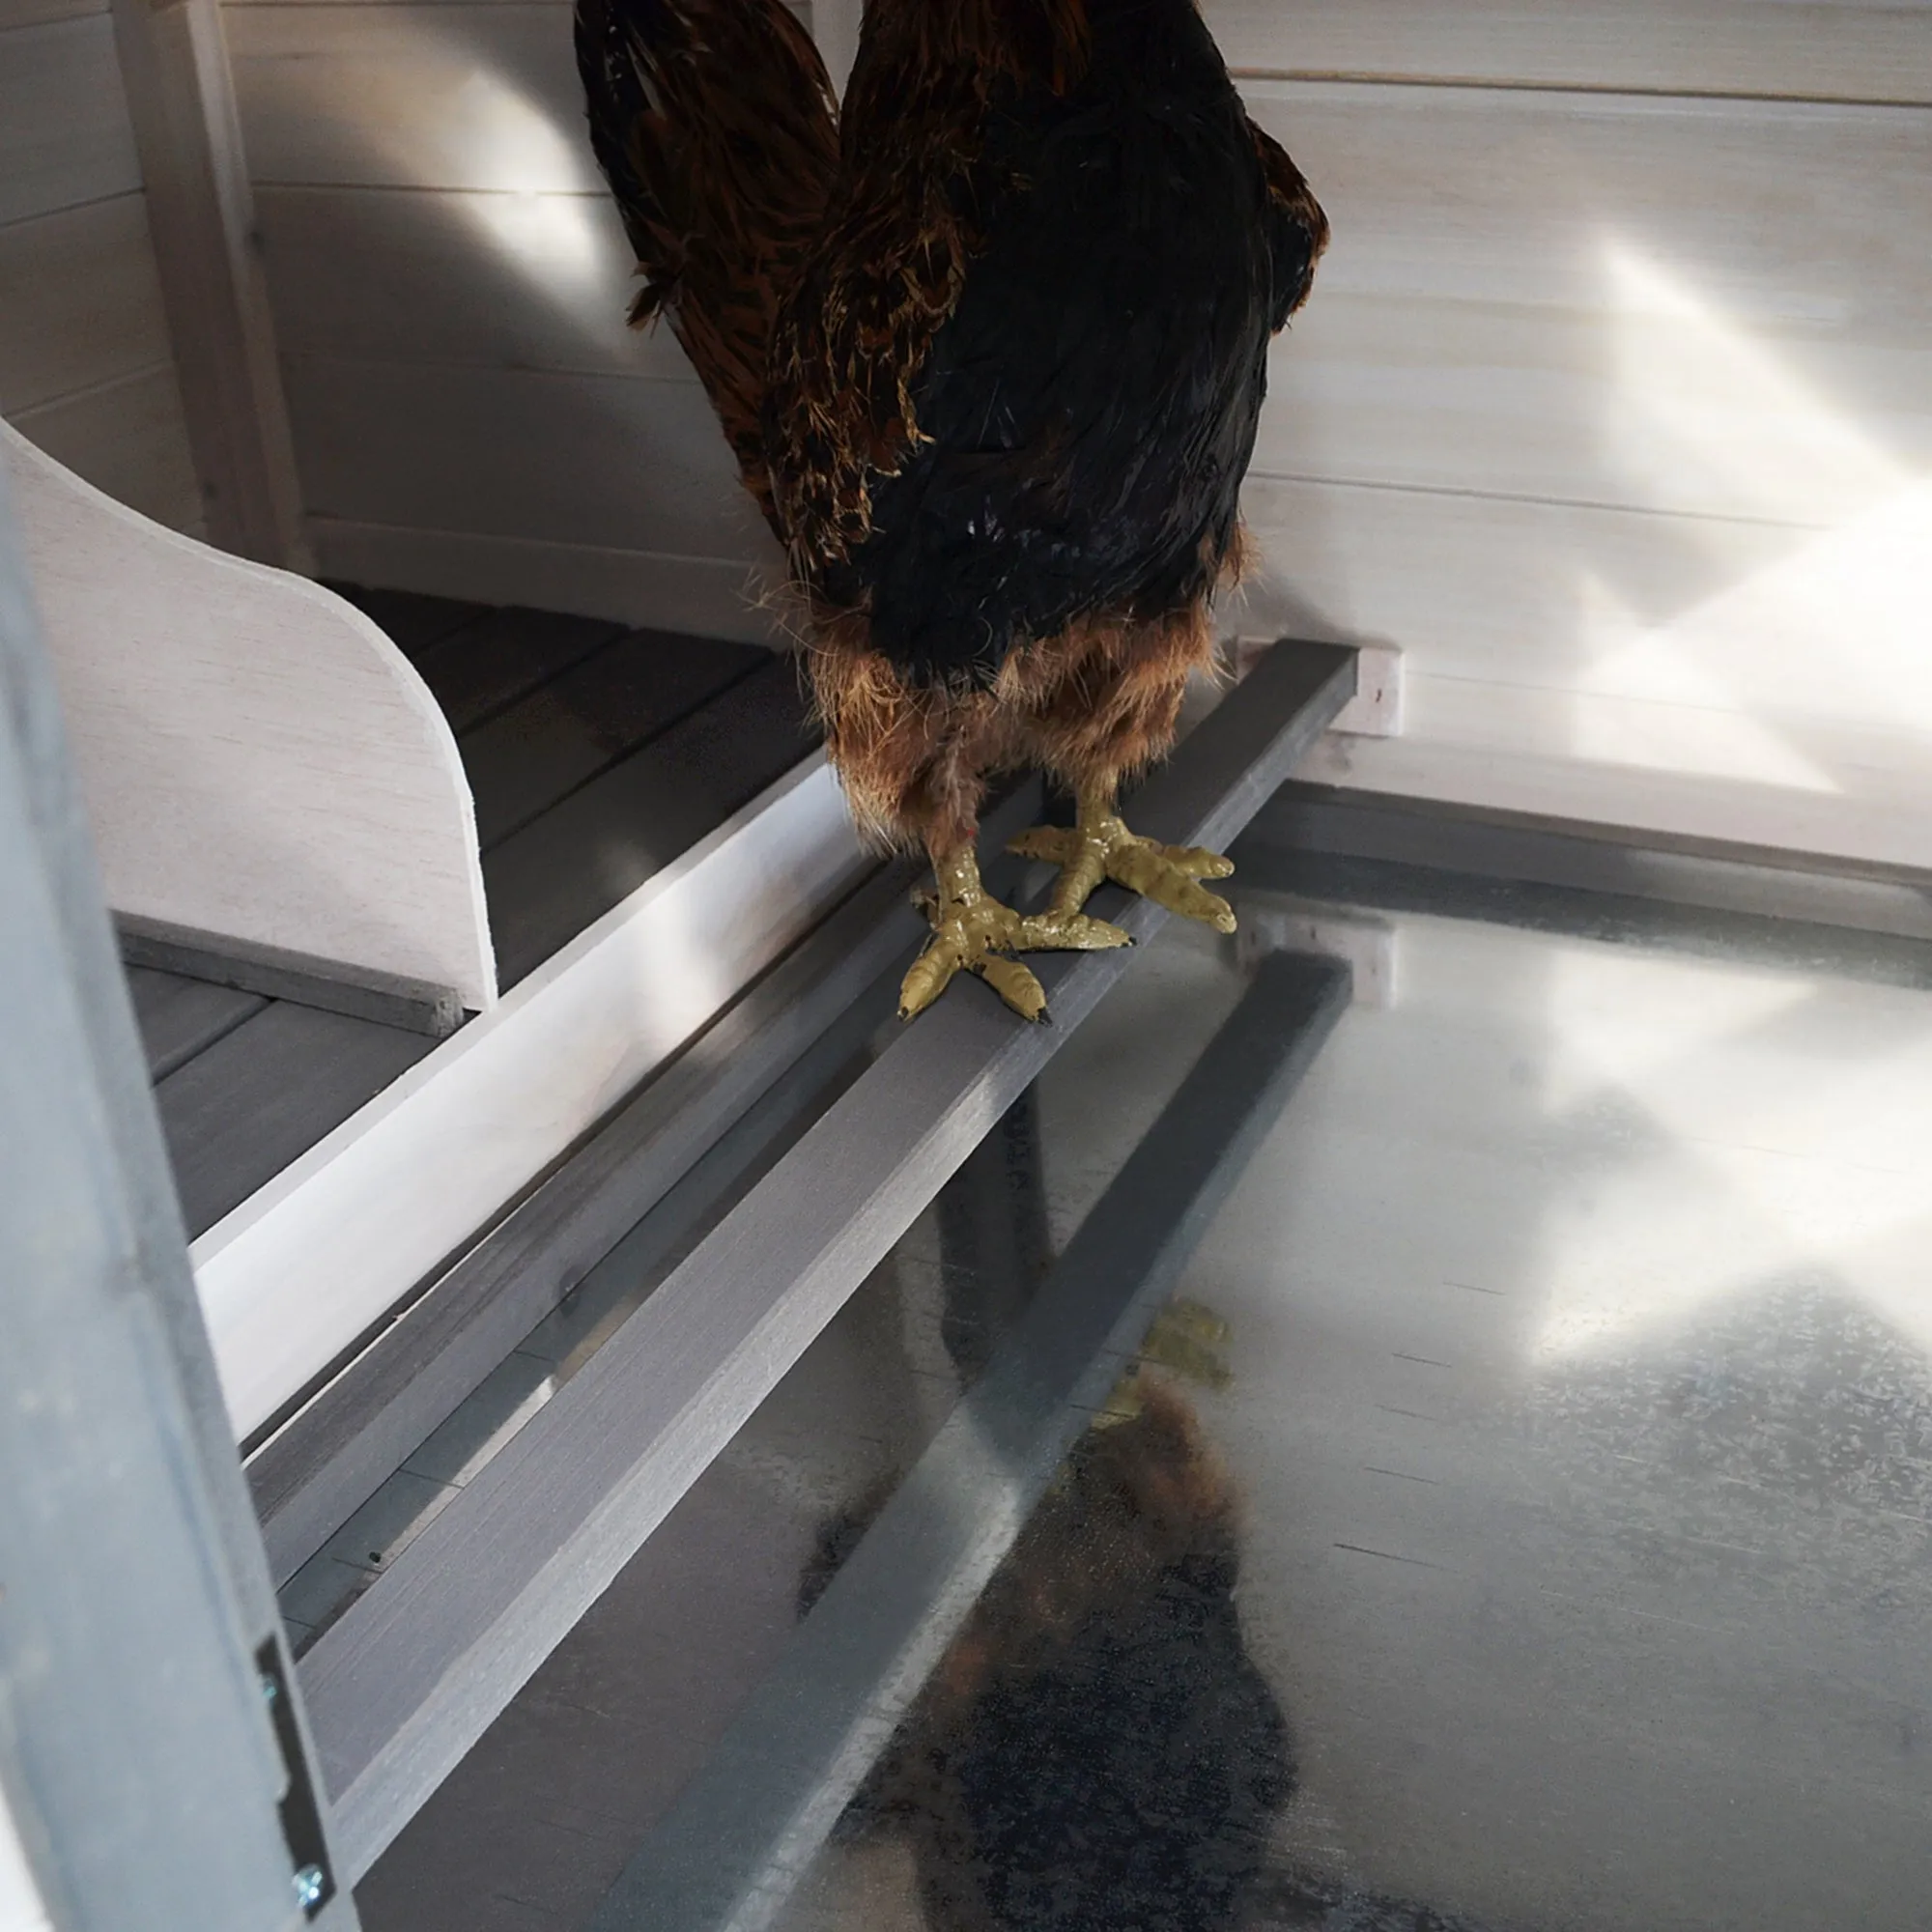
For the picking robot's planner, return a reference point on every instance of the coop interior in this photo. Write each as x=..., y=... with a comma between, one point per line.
x=1532, y=1392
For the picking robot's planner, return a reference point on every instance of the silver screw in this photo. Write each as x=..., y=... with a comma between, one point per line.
x=309, y=1883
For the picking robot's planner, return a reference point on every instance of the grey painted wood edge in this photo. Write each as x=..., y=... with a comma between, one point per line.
x=329, y=1459
x=743, y=1833
x=147, y=1771
x=353, y=1434
x=1619, y=859
x=416, y=1006
x=415, y=1671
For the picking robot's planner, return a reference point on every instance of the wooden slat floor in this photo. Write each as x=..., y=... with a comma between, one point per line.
x=597, y=754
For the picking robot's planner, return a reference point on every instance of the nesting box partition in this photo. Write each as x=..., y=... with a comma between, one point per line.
x=261, y=763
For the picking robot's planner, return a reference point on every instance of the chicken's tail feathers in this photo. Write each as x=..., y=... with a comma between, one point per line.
x=716, y=125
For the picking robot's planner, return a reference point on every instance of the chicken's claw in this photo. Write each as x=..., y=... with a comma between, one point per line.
x=1102, y=849
x=973, y=932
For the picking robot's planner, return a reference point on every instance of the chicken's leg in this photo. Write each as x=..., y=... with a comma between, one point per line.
x=1100, y=847
x=973, y=932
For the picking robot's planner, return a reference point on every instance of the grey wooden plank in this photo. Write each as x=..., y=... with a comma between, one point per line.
x=310, y=1476
x=180, y=95
x=238, y=1113
x=410, y=1677
x=179, y=1017
x=745, y=1830
x=139, y=1626
x=557, y=875
x=525, y=759
x=1531, y=849
x=505, y=655
x=414, y=621
x=363, y=993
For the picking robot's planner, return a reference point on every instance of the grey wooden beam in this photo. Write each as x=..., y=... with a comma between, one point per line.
x=1625, y=862
x=357, y=992
x=174, y=64
x=728, y=1854
x=153, y=1780
x=326, y=1461
x=330, y=1457
x=412, y=1674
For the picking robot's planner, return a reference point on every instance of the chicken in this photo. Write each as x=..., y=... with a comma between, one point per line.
x=990, y=349
x=1096, y=1748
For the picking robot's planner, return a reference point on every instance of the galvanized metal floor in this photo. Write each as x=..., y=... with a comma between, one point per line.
x=597, y=756
x=1578, y=1425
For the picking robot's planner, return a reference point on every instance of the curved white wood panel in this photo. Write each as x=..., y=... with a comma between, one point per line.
x=260, y=761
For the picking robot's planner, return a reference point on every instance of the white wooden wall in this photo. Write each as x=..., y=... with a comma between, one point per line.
x=86, y=367
x=1612, y=409
x=471, y=415
x=1613, y=405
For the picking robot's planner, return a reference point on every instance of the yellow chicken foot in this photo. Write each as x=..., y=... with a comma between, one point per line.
x=1100, y=847
x=1186, y=1339
x=973, y=932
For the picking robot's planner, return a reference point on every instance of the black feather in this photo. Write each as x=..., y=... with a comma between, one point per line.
x=1092, y=400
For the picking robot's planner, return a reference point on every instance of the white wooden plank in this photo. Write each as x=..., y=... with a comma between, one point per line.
x=128, y=438
x=1741, y=680
x=1658, y=768
x=33, y=13
x=439, y=275
x=180, y=97
x=437, y=95
x=259, y=760
x=1706, y=306
x=607, y=462
x=709, y=597
x=1814, y=49
x=295, y=1273
x=83, y=306
x=65, y=136
x=20, y=1907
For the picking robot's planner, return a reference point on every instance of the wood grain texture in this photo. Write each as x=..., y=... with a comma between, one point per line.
x=1708, y=307
x=65, y=136
x=83, y=305
x=178, y=1018
x=503, y=656
x=525, y=759
x=181, y=97
x=414, y=96
x=37, y=13
x=127, y=439
x=242, y=1110
x=573, y=864
x=462, y=275
x=599, y=461
x=1680, y=674
x=710, y=597
x=413, y=623
x=306, y=1265
x=260, y=761
x=1826, y=49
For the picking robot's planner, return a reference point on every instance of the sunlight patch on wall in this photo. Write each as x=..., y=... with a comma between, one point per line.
x=1836, y=632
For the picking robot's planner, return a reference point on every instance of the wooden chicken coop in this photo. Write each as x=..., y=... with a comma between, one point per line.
x=493, y=924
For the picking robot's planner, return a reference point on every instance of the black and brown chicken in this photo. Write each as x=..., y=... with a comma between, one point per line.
x=990, y=347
